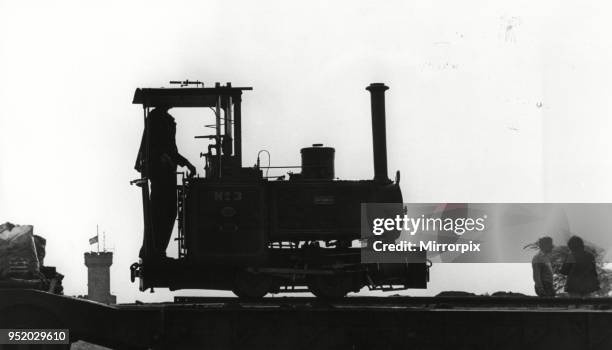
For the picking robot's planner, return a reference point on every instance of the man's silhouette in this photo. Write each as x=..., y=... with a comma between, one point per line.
x=542, y=268
x=163, y=158
x=580, y=269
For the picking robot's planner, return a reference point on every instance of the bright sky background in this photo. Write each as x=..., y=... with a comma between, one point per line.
x=490, y=101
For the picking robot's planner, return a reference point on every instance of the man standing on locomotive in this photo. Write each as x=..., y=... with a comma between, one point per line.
x=163, y=158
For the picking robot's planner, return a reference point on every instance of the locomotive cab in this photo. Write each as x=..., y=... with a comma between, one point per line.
x=242, y=231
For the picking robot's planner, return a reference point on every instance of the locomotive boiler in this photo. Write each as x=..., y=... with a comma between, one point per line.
x=242, y=231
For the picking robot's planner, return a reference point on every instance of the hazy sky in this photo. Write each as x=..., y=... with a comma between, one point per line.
x=504, y=101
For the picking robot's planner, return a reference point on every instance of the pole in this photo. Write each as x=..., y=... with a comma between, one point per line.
x=238, y=130
x=218, y=140
x=97, y=238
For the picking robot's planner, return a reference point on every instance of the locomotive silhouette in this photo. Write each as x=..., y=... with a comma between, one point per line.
x=239, y=230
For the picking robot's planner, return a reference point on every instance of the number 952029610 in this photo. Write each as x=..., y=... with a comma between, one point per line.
x=34, y=336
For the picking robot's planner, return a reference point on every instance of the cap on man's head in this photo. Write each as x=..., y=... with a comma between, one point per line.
x=163, y=109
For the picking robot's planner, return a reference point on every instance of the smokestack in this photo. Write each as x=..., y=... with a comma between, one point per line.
x=379, y=135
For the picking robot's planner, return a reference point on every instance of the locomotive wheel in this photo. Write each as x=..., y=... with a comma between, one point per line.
x=331, y=286
x=248, y=285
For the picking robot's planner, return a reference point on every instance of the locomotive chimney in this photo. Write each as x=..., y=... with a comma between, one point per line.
x=379, y=136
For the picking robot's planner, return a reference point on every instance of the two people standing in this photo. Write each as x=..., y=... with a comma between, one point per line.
x=579, y=267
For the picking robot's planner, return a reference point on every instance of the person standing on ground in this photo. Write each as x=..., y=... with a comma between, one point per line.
x=580, y=269
x=542, y=268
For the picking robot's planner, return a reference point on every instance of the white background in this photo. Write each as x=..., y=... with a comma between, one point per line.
x=503, y=101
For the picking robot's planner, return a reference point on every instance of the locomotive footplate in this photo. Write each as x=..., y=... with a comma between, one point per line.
x=329, y=273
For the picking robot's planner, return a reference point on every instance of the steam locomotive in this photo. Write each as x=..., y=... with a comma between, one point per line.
x=239, y=230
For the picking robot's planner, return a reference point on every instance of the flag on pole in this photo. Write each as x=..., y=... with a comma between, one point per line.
x=93, y=240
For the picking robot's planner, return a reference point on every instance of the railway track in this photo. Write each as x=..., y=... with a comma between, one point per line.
x=440, y=302
x=427, y=323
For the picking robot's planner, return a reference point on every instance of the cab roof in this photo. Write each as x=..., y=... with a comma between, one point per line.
x=185, y=97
